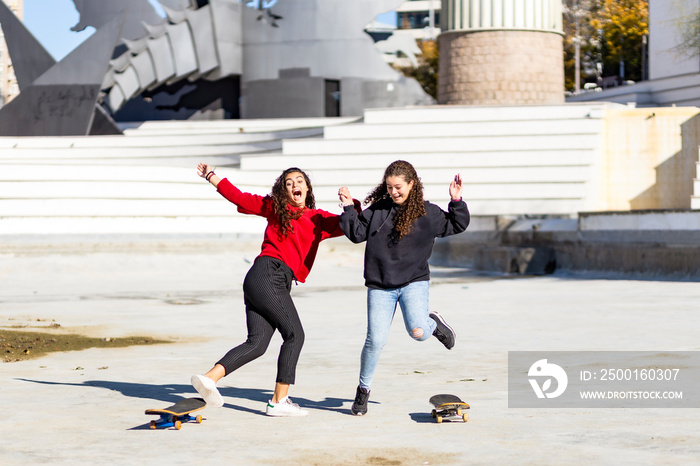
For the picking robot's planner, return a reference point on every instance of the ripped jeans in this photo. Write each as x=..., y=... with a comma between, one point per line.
x=381, y=307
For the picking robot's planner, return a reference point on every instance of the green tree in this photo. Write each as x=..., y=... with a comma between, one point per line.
x=622, y=26
x=580, y=40
x=426, y=73
x=610, y=36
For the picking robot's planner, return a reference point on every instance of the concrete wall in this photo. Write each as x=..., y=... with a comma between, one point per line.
x=648, y=244
x=650, y=157
x=286, y=97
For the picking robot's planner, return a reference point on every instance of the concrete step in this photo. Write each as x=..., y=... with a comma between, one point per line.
x=157, y=175
x=452, y=113
x=495, y=191
x=83, y=172
x=110, y=152
x=103, y=190
x=465, y=129
x=138, y=140
x=428, y=145
x=452, y=160
x=470, y=175
x=526, y=206
x=209, y=225
x=149, y=128
x=96, y=207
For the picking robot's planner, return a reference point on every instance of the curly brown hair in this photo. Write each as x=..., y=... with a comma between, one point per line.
x=281, y=201
x=413, y=207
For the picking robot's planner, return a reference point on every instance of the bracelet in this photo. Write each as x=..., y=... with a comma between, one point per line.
x=209, y=175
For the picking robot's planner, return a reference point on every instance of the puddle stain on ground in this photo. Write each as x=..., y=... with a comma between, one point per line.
x=16, y=345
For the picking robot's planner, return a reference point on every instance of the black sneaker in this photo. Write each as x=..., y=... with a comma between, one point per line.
x=359, y=407
x=443, y=332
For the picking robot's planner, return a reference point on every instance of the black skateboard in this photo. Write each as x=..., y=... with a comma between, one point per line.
x=449, y=408
x=175, y=415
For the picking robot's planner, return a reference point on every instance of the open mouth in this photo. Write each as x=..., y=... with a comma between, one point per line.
x=296, y=194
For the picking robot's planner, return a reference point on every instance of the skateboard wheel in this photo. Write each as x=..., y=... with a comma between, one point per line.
x=465, y=417
x=178, y=425
x=199, y=419
x=439, y=419
x=434, y=413
x=153, y=424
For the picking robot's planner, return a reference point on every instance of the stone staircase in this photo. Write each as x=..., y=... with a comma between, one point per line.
x=142, y=183
x=514, y=161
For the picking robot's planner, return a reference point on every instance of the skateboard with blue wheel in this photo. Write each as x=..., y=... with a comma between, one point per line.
x=449, y=408
x=175, y=415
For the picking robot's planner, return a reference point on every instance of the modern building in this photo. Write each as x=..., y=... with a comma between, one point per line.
x=421, y=17
x=210, y=59
x=674, y=76
x=8, y=82
x=293, y=59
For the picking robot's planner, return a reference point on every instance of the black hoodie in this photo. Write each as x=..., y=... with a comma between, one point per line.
x=392, y=263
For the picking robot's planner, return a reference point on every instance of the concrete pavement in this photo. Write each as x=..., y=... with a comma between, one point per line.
x=88, y=406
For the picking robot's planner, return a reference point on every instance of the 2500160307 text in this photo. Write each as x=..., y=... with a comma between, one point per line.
x=639, y=374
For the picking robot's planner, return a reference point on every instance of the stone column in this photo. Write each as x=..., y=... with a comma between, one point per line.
x=501, y=52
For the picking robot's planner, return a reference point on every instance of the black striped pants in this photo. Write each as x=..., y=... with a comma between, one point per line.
x=269, y=307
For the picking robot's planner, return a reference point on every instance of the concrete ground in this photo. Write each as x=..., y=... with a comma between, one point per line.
x=87, y=407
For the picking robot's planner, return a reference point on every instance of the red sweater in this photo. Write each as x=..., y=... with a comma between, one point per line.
x=298, y=249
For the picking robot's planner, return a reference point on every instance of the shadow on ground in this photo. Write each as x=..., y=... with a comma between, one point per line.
x=172, y=393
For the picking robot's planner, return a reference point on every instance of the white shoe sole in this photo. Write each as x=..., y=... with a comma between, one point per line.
x=211, y=395
x=291, y=413
x=300, y=414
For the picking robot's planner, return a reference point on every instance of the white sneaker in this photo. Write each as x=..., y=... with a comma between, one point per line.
x=284, y=407
x=207, y=388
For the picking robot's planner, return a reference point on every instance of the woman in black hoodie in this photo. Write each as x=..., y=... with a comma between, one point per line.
x=400, y=229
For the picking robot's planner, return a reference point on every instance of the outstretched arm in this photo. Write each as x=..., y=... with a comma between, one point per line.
x=247, y=203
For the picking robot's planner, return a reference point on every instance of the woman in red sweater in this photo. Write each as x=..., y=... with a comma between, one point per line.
x=294, y=230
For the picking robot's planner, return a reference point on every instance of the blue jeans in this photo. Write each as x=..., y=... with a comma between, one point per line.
x=381, y=307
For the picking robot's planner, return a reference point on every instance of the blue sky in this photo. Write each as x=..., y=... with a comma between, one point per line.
x=50, y=22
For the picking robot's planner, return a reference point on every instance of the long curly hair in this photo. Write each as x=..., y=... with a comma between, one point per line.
x=281, y=201
x=412, y=208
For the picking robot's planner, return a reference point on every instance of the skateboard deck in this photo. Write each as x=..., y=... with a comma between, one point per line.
x=449, y=408
x=175, y=415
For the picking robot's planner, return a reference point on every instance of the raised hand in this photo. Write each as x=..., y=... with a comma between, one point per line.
x=203, y=169
x=456, y=188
